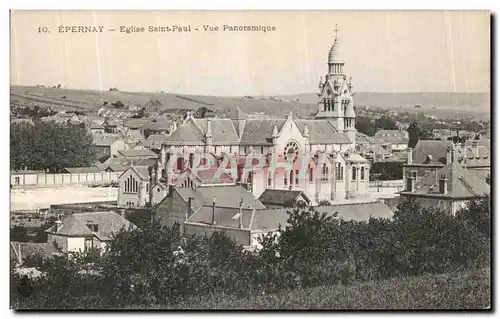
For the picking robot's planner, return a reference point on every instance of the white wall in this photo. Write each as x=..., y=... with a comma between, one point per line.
x=76, y=244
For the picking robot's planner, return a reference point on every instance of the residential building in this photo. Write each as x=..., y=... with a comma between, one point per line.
x=397, y=139
x=450, y=188
x=82, y=231
x=107, y=146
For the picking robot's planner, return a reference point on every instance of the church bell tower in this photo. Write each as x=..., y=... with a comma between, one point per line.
x=336, y=95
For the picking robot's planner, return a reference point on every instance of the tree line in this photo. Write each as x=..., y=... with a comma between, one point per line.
x=155, y=266
x=50, y=146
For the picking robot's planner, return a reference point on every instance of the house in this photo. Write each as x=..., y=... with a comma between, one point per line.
x=95, y=129
x=154, y=141
x=158, y=125
x=112, y=125
x=429, y=156
x=107, y=146
x=234, y=210
x=134, y=127
x=450, y=187
x=374, y=152
x=82, y=231
x=137, y=154
x=398, y=139
x=278, y=198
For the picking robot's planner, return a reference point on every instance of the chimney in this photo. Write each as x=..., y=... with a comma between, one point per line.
x=20, y=259
x=448, y=155
x=409, y=153
x=443, y=185
x=475, y=149
x=241, y=213
x=58, y=225
x=410, y=183
x=188, y=212
x=213, y=212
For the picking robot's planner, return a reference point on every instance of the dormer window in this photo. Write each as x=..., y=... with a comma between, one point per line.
x=92, y=226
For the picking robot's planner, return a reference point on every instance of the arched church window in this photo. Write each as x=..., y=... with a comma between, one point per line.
x=311, y=174
x=362, y=174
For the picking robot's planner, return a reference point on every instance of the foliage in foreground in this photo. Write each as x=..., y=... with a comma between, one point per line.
x=154, y=265
x=457, y=290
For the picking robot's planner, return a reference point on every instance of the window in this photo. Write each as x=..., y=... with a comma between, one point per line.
x=311, y=174
x=262, y=149
x=353, y=173
x=130, y=185
x=291, y=178
x=285, y=181
x=414, y=174
x=297, y=177
x=324, y=175
x=16, y=180
x=250, y=176
x=180, y=164
x=93, y=226
x=158, y=189
x=215, y=149
x=191, y=159
x=147, y=187
x=362, y=177
x=245, y=149
x=339, y=174
x=269, y=179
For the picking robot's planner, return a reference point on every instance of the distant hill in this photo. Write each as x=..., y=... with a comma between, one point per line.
x=469, y=101
x=303, y=105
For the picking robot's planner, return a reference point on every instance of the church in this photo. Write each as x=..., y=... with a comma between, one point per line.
x=320, y=152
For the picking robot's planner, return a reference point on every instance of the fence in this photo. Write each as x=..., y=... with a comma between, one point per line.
x=20, y=179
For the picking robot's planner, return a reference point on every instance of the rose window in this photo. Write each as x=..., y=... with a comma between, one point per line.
x=291, y=152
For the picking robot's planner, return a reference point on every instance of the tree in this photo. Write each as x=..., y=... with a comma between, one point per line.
x=50, y=146
x=414, y=133
x=365, y=125
x=385, y=123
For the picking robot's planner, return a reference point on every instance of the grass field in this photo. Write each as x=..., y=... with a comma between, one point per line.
x=460, y=290
x=443, y=105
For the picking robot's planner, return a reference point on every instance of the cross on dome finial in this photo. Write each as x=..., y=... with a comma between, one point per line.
x=336, y=31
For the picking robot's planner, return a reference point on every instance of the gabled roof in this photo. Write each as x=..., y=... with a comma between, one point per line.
x=225, y=196
x=260, y=131
x=223, y=130
x=362, y=138
x=76, y=225
x=145, y=152
x=76, y=170
x=155, y=141
x=285, y=198
x=436, y=149
x=393, y=136
x=141, y=171
x=321, y=131
x=461, y=183
x=210, y=176
x=187, y=133
x=135, y=123
x=104, y=140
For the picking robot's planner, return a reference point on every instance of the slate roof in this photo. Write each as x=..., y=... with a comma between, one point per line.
x=157, y=126
x=138, y=153
x=77, y=170
x=122, y=164
x=322, y=132
x=362, y=138
x=260, y=131
x=437, y=150
x=285, y=198
x=96, y=126
x=155, y=141
x=223, y=131
x=75, y=225
x=462, y=183
x=393, y=136
x=142, y=171
x=187, y=133
x=104, y=140
x=225, y=196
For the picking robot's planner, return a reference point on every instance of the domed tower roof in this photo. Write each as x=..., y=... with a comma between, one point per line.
x=333, y=55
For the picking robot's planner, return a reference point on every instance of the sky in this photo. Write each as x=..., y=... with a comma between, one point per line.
x=383, y=51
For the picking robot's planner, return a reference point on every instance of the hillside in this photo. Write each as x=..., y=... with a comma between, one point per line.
x=460, y=290
x=303, y=105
